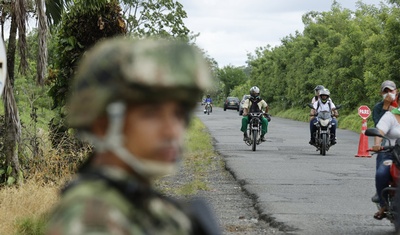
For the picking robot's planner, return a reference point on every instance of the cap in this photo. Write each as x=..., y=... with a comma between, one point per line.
x=388, y=84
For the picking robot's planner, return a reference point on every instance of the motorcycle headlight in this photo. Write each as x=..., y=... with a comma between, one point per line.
x=325, y=122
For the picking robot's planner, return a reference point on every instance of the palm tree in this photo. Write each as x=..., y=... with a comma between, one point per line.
x=18, y=14
x=169, y=14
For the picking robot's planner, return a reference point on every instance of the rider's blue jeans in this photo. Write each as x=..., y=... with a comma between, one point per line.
x=313, y=128
x=382, y=175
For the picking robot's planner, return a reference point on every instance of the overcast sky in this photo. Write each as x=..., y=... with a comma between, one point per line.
x=231, y=29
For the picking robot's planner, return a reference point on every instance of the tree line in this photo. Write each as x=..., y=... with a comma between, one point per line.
x=349, y=52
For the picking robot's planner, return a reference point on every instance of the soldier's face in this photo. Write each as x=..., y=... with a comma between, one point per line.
x=155, y=131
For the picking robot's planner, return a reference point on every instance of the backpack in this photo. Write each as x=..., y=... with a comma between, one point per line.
x=254, y=108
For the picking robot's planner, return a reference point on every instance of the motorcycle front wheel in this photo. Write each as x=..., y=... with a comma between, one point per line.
x=255, y=133
x=324, y=142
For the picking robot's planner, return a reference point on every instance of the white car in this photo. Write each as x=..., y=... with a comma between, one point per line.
x=245, y=97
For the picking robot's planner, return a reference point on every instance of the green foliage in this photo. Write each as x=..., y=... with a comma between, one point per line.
x=81, y=27
x=231, y=76
x=243, y=89
x=87, y=22
x=294, y=114
x=350, y=53
x=162, y=18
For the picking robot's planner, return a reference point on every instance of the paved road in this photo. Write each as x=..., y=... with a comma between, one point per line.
x=295, y=188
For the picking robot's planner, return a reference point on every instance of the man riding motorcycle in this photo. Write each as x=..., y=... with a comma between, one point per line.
x=324, y=103
x=208, y=100
x=254, y=104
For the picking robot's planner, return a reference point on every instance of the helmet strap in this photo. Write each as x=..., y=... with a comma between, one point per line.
x=113, y=142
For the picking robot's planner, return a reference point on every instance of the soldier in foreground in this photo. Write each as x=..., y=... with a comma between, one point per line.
x=132, y=100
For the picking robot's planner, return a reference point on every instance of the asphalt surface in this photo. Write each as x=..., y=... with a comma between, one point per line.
x=296, y=189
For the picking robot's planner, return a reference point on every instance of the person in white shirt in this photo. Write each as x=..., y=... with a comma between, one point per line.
x=389, y=126
x=324, y=103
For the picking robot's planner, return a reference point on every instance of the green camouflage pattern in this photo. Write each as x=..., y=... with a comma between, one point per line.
x=94, y=207
x=147, y=70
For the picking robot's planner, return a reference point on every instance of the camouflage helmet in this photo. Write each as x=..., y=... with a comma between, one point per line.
x=136, y=71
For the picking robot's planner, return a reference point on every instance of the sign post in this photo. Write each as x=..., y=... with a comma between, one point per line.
x=364, y=113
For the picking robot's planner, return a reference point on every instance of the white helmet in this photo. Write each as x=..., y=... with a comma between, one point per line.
x=254, y=91
x=324, y=92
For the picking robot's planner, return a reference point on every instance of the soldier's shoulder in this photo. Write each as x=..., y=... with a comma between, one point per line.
x=89, y=204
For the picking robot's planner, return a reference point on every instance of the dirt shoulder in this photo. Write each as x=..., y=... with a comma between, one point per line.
x=232, y=206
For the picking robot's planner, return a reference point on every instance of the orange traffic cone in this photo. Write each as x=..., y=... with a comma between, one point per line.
x=363, y=144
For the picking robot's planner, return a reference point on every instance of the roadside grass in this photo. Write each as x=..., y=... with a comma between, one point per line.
x=199, y=158
x=352, y=122
x=25, y=208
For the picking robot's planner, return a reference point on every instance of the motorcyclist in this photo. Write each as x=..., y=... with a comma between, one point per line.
x=208, y=99
x=388, y=103
x=388, y=125
x=324, y=103
x=254, y=104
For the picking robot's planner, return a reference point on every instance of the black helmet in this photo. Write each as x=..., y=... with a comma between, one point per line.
x=208, y=96
x=254, y=91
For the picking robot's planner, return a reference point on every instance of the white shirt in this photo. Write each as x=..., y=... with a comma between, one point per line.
x=322, y=106
x=389, y=125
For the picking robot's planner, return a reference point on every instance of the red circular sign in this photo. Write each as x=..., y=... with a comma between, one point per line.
x=364, y=111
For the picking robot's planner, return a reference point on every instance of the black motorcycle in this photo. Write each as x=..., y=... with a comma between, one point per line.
x=323, y=133
x=254, y=129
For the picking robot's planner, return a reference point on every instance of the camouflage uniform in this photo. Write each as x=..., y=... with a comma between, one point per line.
x=92, y=206
x=108, y=200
